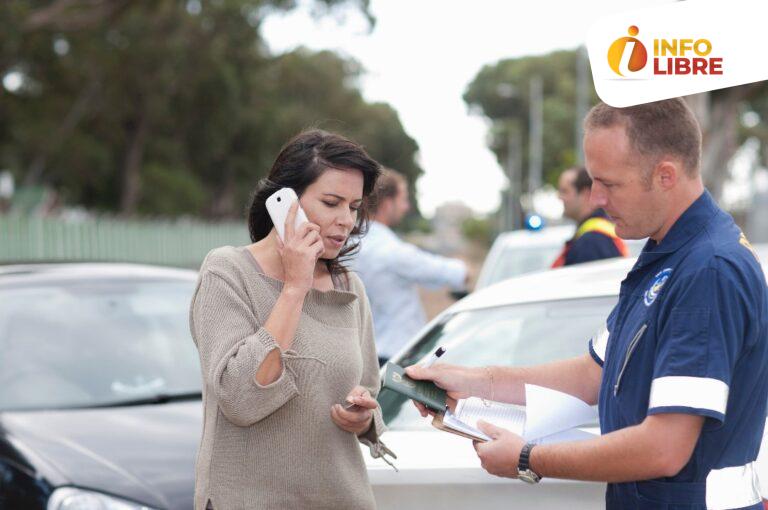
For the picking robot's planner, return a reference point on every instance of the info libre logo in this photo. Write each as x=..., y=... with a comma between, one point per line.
x=628, y=55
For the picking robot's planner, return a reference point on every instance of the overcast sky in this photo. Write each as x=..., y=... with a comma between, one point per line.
x=421, y=56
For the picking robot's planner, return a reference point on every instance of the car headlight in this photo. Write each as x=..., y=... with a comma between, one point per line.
x=69, y=498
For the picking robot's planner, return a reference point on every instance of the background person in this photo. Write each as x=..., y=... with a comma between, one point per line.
x=392, y=270
x=285, y=338
x=595, y=237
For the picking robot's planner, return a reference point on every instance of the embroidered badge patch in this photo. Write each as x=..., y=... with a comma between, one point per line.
x=655, y=289
x=745, y=243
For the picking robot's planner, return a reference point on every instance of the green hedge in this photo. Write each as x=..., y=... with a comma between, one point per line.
x=168, y=243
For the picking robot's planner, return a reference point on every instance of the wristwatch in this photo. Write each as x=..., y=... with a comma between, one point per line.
x=524, y=471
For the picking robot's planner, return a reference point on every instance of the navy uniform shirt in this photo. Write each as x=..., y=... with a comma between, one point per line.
x=689, y=335
x=592, y=245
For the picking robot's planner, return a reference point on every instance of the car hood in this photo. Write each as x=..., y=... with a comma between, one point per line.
x=141, y=453
x=432, y=457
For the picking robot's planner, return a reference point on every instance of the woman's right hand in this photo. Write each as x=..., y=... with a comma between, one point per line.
x=300, y=251
x=458, y=381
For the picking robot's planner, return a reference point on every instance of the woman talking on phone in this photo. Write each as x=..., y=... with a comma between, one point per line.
x=286, y=343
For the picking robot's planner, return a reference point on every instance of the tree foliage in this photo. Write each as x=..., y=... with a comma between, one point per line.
x=170, y=107
x=501, y=92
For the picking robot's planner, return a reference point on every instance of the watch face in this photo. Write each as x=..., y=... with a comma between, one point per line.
x=528, y=476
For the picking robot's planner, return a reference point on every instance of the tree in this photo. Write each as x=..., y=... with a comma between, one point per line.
x=757, y=106
x=501, y=92
x=169, y=107
x=719, y=113
x=321, y=90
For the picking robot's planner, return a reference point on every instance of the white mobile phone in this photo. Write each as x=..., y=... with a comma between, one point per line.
x=278, y=204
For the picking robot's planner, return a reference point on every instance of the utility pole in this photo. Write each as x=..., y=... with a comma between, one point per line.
x=582, y=100
x=514, y=173
x=511, y=210
x=535, y=133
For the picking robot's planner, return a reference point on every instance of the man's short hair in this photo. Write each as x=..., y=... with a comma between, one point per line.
x=387, y=186
x=654, y=130
x=581, y=180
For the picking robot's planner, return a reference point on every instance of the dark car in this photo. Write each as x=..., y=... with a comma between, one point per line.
x=99, y=387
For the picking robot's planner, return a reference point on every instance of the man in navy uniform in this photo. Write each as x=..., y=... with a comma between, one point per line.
x=680, y=370
x=595, y=237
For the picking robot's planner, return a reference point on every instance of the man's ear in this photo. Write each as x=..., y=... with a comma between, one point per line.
x=585, y=194
x=385, y=206
x=667, y=173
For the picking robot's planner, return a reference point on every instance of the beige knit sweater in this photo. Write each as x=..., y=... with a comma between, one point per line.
x=275, y=446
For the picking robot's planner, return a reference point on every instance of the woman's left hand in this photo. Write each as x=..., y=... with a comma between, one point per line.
x=357, y=419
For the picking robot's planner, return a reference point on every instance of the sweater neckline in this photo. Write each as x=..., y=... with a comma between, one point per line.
x=333, y=296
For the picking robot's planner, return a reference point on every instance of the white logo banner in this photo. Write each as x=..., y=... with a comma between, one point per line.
x=678, y=49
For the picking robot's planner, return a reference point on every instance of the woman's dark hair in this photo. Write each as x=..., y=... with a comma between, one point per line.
x=300, y=163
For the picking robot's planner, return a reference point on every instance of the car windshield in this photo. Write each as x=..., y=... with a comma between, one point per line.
x=99, y=343
x=518, y=260
x=512, y=335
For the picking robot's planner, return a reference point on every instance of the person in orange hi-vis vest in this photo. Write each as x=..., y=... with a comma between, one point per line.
x=595, y=236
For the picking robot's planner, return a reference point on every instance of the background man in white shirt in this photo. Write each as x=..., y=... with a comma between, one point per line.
x=392, y=269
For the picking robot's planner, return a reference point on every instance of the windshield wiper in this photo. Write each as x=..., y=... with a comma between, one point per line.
x=157, y=398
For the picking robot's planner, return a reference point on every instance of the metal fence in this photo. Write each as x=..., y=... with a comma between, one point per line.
x=168, y=243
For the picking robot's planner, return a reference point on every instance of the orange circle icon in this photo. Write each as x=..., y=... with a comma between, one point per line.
x=638, y=57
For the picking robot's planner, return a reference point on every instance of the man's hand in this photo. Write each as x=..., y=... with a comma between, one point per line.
x=658, y=447
x=501, y=454
x=459, y=382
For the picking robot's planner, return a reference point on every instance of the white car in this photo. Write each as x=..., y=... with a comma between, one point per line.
x=527, y=320
x=762, y=252
x=525, y=251
x=522, y=251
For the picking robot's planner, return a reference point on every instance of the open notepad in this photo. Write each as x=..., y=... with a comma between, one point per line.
x=549, y=416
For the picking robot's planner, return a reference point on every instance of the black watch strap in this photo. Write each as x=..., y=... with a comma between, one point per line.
x=525, y=458
x=524, y=471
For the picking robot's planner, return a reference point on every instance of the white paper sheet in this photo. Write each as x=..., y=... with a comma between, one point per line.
x=550, y=411
x=549, y=416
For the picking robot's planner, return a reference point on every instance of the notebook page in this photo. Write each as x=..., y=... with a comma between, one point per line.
x=450, y=420
x=507, y=416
